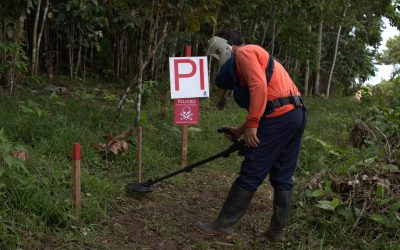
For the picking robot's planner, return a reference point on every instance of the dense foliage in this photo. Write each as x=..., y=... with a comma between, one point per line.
x=356, y=190
x=391, y=55
x=98, y=37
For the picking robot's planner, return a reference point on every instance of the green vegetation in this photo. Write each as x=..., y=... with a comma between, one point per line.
x=36, y=194
x=65, y=64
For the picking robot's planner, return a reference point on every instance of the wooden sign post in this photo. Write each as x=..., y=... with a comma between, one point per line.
x=184, y=163
x=139, y=154
x=188, y=82
x=76, y=179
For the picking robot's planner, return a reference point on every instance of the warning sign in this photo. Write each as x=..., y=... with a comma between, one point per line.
x=188, y=77
x=186, y=111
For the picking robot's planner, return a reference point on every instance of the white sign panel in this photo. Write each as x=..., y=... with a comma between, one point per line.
x=188, y=77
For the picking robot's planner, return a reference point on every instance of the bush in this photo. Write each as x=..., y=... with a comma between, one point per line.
x=15, y=64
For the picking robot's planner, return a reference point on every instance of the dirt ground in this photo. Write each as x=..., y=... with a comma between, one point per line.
x=167, y=217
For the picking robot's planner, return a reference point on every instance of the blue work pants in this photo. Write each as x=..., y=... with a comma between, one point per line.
x=277, y=153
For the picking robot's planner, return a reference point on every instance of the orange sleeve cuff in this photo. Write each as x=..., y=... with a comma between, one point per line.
x=252, y=123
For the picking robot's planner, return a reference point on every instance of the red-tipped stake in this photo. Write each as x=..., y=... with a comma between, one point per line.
x=76, y=179
x=139, y=154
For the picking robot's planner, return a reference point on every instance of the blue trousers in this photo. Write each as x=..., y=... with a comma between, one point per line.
x=277, y=153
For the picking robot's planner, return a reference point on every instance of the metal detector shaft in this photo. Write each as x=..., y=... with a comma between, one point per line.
x=236, y=146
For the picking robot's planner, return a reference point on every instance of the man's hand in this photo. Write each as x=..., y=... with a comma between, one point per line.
x=250, y=136
x=237, y=131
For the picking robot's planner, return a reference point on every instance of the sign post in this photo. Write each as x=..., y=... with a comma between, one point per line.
x=188, y=52
x=188, y=82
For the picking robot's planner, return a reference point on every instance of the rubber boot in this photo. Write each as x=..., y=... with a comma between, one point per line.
x=280, y=215
x=234, y=208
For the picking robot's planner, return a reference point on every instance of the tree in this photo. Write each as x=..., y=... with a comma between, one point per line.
x=13, y=60
x=319, y=48
x=391, y=55
x=335, y=54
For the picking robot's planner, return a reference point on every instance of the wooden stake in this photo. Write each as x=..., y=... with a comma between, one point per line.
x=184, y=145
x=188, y=52
x=139, y=154
x=76, y=179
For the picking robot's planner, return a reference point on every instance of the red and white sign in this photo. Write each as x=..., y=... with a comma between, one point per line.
x=188, y=77
x=186, y=111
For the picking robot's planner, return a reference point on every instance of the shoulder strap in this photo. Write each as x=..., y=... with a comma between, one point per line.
x=270, y=68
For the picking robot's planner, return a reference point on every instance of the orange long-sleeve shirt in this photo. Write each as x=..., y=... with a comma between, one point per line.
x=251, y=63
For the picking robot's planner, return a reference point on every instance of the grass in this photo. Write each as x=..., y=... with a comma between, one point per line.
x=47, y=125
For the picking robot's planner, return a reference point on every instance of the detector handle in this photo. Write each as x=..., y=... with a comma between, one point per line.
x=229, y=133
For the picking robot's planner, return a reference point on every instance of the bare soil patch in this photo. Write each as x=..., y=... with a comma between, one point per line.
x=167, y=217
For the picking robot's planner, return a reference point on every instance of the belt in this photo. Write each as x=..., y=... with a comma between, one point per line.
x=297, y=101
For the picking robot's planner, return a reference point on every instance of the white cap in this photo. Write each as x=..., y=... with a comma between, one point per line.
x=219, y=49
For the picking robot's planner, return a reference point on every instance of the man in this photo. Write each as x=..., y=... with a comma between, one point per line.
x=272, y=131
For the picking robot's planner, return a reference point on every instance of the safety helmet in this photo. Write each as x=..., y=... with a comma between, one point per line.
x=219, y=49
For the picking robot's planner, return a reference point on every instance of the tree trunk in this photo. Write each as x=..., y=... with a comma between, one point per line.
x=2, y=39
x=334, y=57
x=91, y=57
x=318, y=63
x=71, y=53
x=264, y=36
x=139, y=75
x=175, y=39
x=84, y=63
x=50, y=66
x=34, y=37
x=11, y=74
x=46, y=9
x=196, y=47
x=139, y=90
x=306, y=77
x=160, y=61
x=296, y=70
x=78, y=63
x=116, y=57
x=154, y=59
x=307, y=74
x=125, y=55
x=253, y=34
x=273, y=39
x=214, y=30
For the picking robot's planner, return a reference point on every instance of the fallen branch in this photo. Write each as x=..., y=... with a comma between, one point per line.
x=225, y=244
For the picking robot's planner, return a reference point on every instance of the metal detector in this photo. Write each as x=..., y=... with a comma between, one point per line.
x=147, y=186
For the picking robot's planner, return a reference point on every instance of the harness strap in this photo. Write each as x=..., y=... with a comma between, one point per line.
x=297, y=101
x=270, y=68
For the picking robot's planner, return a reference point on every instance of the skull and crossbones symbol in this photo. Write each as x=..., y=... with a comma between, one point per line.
x=186, y=113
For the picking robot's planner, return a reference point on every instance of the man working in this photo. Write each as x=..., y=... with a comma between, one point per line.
x=273, y=129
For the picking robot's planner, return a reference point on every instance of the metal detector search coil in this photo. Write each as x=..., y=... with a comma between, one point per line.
x=147, y=187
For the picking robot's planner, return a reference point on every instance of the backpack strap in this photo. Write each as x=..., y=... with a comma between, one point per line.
x=297, y=101
x=270, y=68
